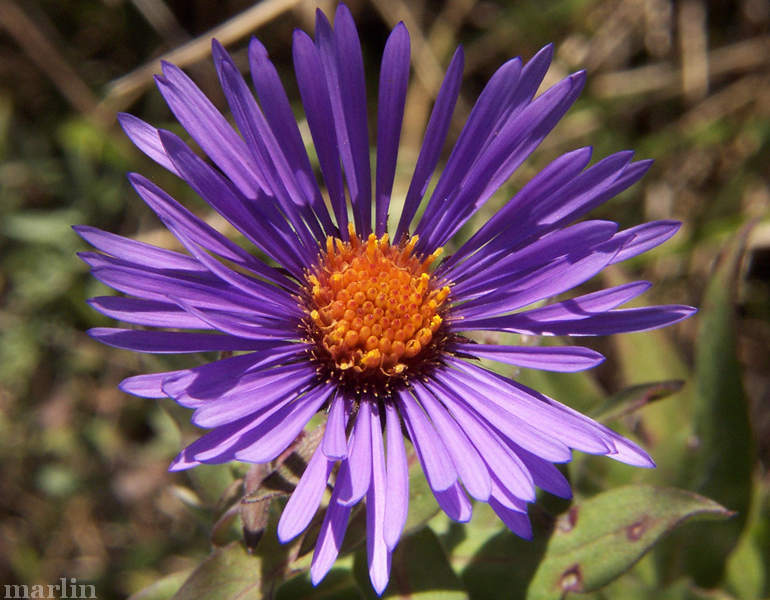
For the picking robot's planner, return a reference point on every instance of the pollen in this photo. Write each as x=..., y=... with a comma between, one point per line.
x=373, y=306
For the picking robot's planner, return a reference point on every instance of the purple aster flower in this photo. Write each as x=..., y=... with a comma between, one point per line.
x=363, y=323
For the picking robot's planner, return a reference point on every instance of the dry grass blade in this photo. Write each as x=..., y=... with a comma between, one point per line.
x=664, y=79
x=124, y=90
x=693, y=43
x=41, y=50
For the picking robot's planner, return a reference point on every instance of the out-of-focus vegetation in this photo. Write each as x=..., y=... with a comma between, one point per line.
x=84, y=487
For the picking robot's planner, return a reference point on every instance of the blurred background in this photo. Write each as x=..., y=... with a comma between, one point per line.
x=84, y=490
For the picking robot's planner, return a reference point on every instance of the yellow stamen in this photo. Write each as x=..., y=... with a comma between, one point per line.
x=373, y=305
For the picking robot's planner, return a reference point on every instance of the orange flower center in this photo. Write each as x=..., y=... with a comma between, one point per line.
x=374, y=306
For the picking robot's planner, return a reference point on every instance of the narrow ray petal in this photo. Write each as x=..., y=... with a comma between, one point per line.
x=377, y=551
x=356, y=471
x=434, y=457
x=305, y=498
x=334, y=444
x=397, y=498
x=394, y=76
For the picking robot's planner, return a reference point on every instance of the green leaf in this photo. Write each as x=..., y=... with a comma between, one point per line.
x=163, y=589
x=643, y=357
x=419, y=571
x=598, y=539
x=43, y=227
x=629, y=588
x=227, y=573
x=493, y=562
x=631, y=399
x=747, y=573
x=724, y=450
x=338, y=584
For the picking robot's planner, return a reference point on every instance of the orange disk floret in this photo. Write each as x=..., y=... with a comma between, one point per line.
x=374, y=306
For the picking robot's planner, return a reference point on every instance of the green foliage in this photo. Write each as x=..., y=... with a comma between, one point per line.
x=599, y=539
x=83, y=466
x=724, y=463
x=419, y=570
x=229, y=572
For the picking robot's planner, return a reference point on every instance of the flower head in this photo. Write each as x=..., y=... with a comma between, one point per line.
x=366, y=322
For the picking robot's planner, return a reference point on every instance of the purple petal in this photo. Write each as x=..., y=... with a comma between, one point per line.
x=517, y=522
x=564, y=359
x=532, y=215
x=571, y=426
x=625, y=450
x=545, y=475
x=377, y=551
x=170, y=211
x=433, y=142
x=223, y=443
x=167, y=342
x=489, y=394
x=436, y=462
x=588, y=305
x=146, y=312
x=467, y=461
x=555, y=278
x=215, y=447
x=153, y=284
x=277, y=242
x=280, y=116
x=334, y=443
x=532, y=75
x=329, y=542
x=356, y=471
x=397, y=499
x=209, y=129
x=146, y=386
x=284, y=426
x=454, y=503
x=320, y=119
x=506, y=418
x=506, y=498
x=479, y=126
x=266, y=149
x=507, y=150
x=229, y=377
x=394, y=77
x=246, y=430
x=579, y=307
x=146, y=138
x=305, y=498
x=210, y=379
x=270, y=303
x=278, y=299
x=551, y=178
x=616, y=321
x=498, y=265
x=500, y=461
x=585, y=192
x=644, y=237
x=137, y=252
x=255, y=327
x=266, y=387
x=353, y=118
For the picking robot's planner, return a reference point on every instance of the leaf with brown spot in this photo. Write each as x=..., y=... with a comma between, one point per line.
x=599, y=539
